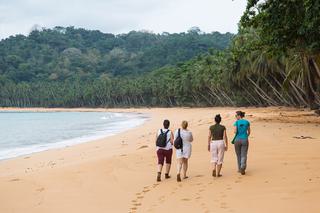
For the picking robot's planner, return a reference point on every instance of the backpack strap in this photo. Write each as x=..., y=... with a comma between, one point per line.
x=181, y=139
x=166, y=135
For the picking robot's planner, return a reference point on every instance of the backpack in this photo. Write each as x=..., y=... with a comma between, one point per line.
x=162, y=139
x=178, y=144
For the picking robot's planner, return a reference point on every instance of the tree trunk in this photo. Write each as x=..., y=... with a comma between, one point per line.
x=309, y=79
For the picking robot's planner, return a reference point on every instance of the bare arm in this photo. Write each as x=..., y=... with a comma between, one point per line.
x=235, y=129
x=249, y=130
x=171, y=138
x=209, y=140
x=225, y=137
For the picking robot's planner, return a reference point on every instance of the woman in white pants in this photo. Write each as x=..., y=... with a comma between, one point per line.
x=217, y=145
x=185, y=153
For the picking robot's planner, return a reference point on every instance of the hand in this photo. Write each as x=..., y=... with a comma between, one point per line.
x=226, y=148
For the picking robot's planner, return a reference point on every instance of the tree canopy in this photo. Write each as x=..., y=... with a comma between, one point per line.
x=61, y=53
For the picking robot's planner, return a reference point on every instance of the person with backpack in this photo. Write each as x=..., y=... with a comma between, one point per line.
x=217, y=145
x=164, y=141
x=241, y=142
x=182, y=142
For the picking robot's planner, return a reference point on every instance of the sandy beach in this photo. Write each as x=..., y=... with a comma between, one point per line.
x=118, y=173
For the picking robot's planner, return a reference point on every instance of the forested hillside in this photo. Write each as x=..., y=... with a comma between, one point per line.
x=63, y=53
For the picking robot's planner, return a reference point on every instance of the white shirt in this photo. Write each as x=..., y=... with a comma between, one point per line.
x=186, y=136
x=169, y=145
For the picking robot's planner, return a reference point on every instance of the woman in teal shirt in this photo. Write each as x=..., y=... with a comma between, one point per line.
x=241, y=142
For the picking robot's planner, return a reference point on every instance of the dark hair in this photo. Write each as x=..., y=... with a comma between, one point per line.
x=166, y=124
x=240, y=113
x=217, y=119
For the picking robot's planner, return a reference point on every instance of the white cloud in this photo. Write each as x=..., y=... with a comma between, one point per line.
x=120, y=16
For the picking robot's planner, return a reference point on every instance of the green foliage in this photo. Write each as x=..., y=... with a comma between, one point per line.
x=64, y=53
x=68, y=67
x=286, y=30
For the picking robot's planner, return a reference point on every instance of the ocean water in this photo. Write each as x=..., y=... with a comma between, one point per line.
x=22, y=133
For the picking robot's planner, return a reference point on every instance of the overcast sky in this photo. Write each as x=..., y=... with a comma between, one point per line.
x=120, y=16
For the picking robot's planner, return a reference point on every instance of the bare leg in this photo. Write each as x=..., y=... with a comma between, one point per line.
x=214, y=169
x=179, y=166
x=185, y=167
x=219, y=166
x=168, y=166
x=159, y=172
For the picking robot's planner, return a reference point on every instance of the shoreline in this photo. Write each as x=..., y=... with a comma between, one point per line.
x=121, y=126
x=117, y=173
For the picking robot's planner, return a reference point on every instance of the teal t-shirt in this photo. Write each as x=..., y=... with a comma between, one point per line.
x=242, y=128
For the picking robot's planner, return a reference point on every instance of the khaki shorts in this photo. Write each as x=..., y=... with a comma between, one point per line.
x=217, y=149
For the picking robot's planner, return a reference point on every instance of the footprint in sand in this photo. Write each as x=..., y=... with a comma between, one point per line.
x=161, y=199
x=139, y=197
x=204, y=207
x=155, y=185
x=40, y=189
x=185, y=199
x=133, y=209
x=223, y=205
x=145, y=190
x=14, y=180
x=143, y=147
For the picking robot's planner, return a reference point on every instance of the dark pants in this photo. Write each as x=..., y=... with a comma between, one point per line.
x=241, y=147
x=164, y=155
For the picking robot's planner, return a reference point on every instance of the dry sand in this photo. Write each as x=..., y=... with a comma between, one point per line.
x=118, y=173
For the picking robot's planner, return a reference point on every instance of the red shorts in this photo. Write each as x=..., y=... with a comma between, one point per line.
x=164, y=154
